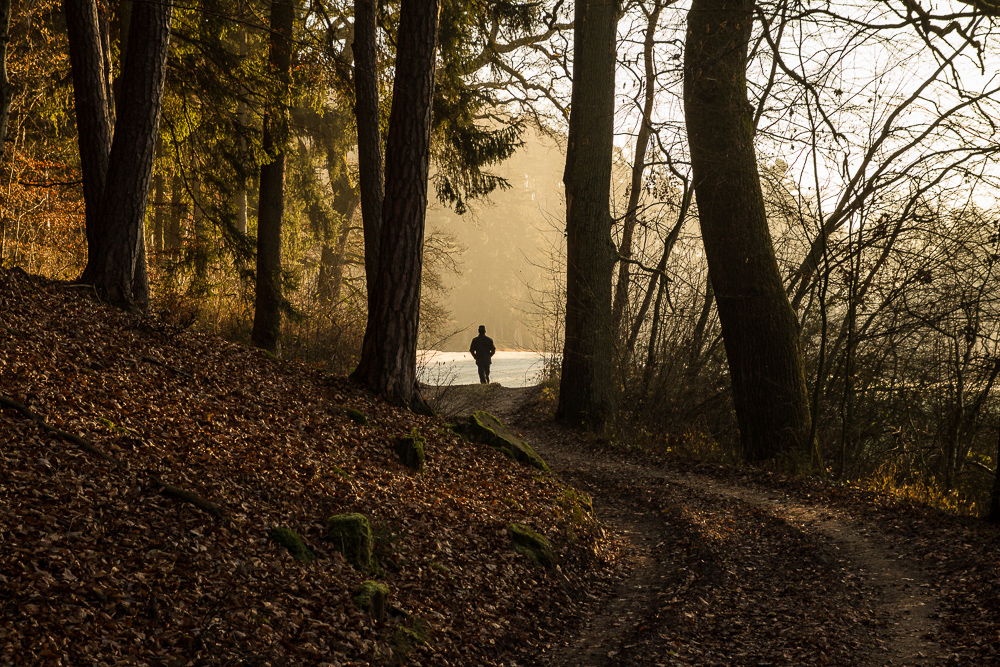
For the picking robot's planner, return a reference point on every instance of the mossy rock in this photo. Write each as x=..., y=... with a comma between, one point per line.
x=351, y=535
x=410, y=450
x=373, y=597
x=487, y=429
x=531, y=544
x=357, y=416
x=404, y=639
x=295, y=545
x=576, y=504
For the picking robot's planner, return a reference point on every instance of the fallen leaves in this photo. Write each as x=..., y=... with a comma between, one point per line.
x=100, y=566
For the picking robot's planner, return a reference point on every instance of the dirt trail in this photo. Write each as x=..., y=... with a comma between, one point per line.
x=721, y=573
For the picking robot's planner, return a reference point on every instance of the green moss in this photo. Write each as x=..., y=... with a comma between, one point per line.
x=410, y=450
x=113, y=426
x=295, y=545
x=351, y=535
x=405, y=639
x=373, y=597
x=531, y=544
x=487, y=429
x=576, y=504
x=357, y=416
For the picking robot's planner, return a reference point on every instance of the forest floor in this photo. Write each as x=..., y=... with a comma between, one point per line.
x=143, y=467
x=742, y=567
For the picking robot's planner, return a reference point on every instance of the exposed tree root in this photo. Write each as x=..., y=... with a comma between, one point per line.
x=165, y=489
x=71, y=437
x=190, y=497
x=157, y=362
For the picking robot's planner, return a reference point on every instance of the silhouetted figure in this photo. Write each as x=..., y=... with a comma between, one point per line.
x=482, y=351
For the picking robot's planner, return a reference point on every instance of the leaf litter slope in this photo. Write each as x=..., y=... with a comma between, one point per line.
x=728, y=567
x=99, y=566
x=689, y=565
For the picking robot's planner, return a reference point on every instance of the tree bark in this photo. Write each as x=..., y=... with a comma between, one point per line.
x=93, y=123
x=240, y=191
x=367, y=115
x=173, y=236
x=266, y=332
x=6, y=92
x=759, y=328
x=586, y=393
x=133, y=149
x=159, y=207
x=388, y=358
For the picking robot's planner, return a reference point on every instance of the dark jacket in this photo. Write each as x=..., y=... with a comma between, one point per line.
x=482, y=349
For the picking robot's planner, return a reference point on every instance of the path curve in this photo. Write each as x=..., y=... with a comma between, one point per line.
x=723, y=573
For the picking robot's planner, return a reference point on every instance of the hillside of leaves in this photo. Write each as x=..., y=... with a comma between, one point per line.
x=104, y=562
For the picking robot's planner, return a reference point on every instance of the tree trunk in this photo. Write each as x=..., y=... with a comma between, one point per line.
x=389, y=355
x=366, y=112
x=271, y=205
x=243, y=118
x=133, y=149
x=93, y=124
x=6, y=92
x=199, y=287
x=759, y=328
x=586, y=393
x=159, y=207
x=638, y=168
x=173, y=237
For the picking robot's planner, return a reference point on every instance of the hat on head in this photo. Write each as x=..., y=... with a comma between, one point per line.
x=482, y=328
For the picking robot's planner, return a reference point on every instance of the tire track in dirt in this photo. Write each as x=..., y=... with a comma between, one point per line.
x=902, y=592
x=728, y=574
x=897, y=593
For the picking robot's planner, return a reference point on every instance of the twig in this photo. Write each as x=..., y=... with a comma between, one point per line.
x=165, y=489
x=190, y=497
x=157, y=362
x=75, y=439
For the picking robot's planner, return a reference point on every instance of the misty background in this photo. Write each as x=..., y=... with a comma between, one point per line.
x=508, y=254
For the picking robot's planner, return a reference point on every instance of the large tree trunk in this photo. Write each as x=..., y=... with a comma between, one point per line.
x=586, y=392
x=389, y=355
x=759, y=328
x=271, y=205
x=366, y=112
x=130, y=165
x=93, y=123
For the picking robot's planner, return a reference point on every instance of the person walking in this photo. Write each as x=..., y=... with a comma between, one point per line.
x=482, y=350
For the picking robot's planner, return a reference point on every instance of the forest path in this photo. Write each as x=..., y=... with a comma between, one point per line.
x=729, y=572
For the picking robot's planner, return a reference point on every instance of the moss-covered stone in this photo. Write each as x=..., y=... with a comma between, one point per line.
x=487, y=429
x=373, y=597
x=404, y=639
x=576, y=504
x=357, y=416
x=351, y=535
x=410, y=450
x=531, y=544
x=295, y=545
